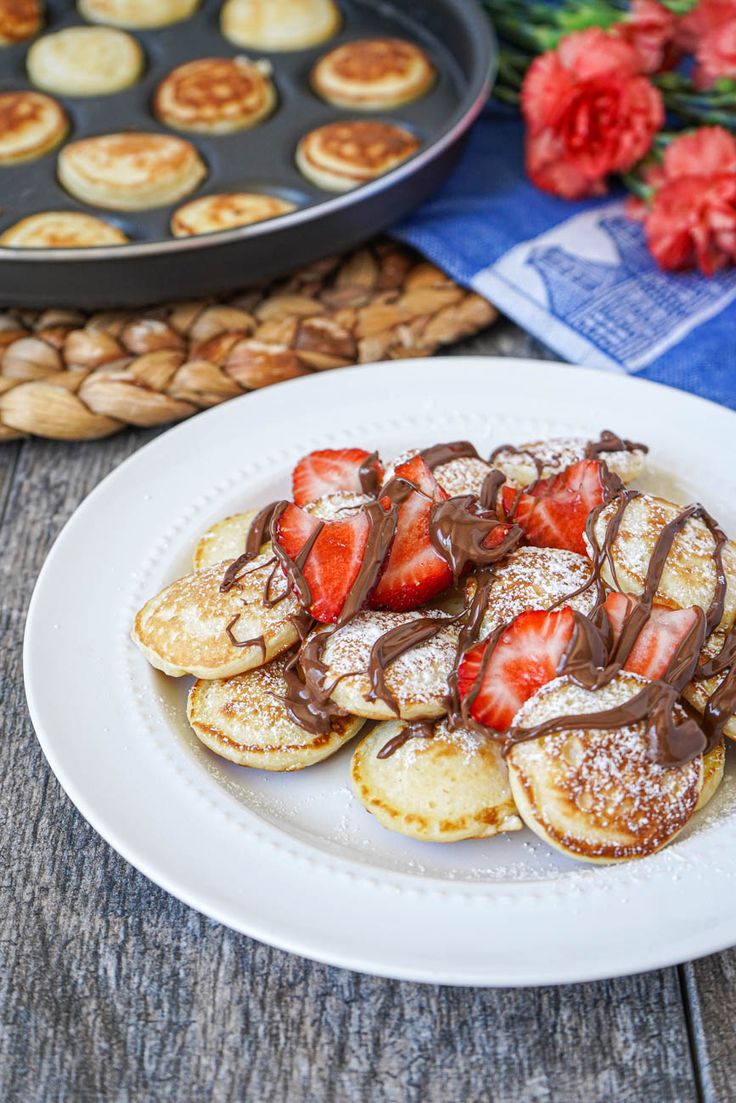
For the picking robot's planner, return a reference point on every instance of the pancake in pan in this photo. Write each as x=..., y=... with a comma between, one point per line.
x=19, y=20
x=85, y=61
x=137, y=14
x=344, y=155
x=130, y=171
x=61, y=230
x=212, y=213
x=31, y=124
x=277, y=25
x=373, y=74
x=216, y=95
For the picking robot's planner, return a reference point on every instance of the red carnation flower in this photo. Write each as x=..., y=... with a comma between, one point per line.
x=709, y=32
x=692, y=219
x=650, y=29
x=589, y=112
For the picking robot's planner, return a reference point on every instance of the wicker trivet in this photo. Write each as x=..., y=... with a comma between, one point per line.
x=72, y=376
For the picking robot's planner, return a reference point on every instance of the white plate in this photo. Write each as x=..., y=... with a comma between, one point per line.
x=292, y=859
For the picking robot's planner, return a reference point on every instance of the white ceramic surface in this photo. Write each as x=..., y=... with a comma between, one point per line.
x=292, y=859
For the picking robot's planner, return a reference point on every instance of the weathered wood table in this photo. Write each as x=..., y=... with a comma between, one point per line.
x=112, y=990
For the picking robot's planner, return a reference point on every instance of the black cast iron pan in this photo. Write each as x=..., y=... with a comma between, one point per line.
x=155, y=266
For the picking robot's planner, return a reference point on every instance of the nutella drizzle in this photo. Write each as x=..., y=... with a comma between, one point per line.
x=672, y=741
x=368, y=475
x=391, y=645
x=419, y=729
x=611, y=442
x=459, y=527
x=440, y=454
x=514, y=450
x=257, y=641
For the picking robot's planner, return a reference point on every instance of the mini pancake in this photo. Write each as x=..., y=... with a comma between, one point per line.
x=31, y=124
x=535, y=578
x=183, y=630
x=373, y=74
x=19, y=20
x=344, y=155
x=689, y=577
x=698, y=693
x=440, y=790
x=595, y=795
x=224, y=540
x=243, y=720
x=212, y=213
x=85, y=61
x=215, y=95
x=714, y=764
x=130, y=171
x=461, y=476
x=137, y=14
x=61, y=230
x=276, y=25
x=557, y=453
x=417, y=679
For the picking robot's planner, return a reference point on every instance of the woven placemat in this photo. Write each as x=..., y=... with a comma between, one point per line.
x=68, y=375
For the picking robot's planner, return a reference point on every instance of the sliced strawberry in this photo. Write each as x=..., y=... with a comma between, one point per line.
x=553, y=511
x=324, y=472
x=417, y=471
x=415, y=572
x=334, y=559
x=527, y=656
x=658, y=640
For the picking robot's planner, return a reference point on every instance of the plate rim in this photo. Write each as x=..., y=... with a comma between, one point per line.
x=430, y=974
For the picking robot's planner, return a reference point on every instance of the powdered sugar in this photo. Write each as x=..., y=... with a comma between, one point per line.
x=419, y=675
x=537, y=578
x=557, y=453
x=337, y=506
x=597, y=792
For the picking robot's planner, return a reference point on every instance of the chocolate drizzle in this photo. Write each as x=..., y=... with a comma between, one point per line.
x=440, y=454
x=459, y=529
x=307, y=699
x=391, y=645
x=672, y=741
x=382, y=528
x=420, y=729
x=514, y=450
x=257, y=641
x=259, y=526
x=611, y=442
x=368, y=475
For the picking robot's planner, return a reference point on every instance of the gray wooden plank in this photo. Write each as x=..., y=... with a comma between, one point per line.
x=710, y=987
x=112, y=990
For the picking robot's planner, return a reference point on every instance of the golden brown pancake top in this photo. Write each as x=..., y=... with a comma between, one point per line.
x=212, y=87
x=371, y=60
x=136, y=149
x=19, y=110
x=19, y=19
x=365, y=144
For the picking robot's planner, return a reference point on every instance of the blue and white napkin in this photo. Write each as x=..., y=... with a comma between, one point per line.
x=576, y=275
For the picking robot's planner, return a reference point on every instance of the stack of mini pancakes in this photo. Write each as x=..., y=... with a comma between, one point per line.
x=591, y=792
x=131, y=170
